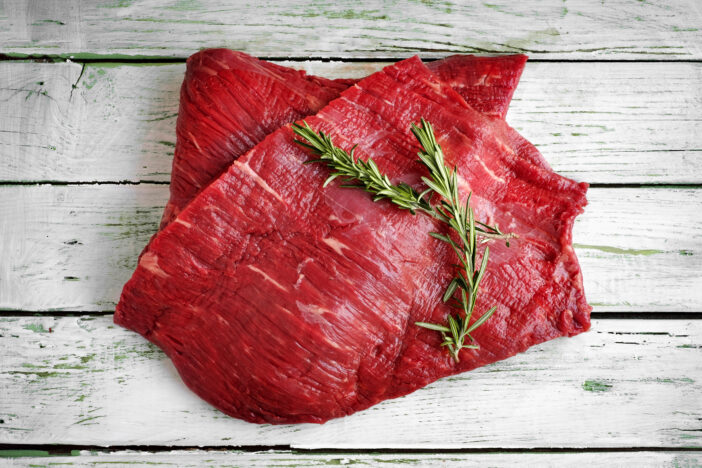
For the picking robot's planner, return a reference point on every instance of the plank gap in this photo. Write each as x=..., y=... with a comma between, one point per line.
x=61, y=449
x=85, y=182
x=128, y=59
x=647, y=315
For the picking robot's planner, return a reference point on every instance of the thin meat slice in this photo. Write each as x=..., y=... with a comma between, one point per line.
x=281, y=301
x=230, y=101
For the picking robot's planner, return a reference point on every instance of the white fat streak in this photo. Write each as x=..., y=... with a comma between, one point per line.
x=184, y=223
x=262, y=183
x=194, y=140
x=300, y=275
x=311, y=308
x=335, y=244
x=224, y=321
x=504, y=147
x=268, y=278
x=223, y=64
x=149, y=261
x=433, y=84
x=490, y=173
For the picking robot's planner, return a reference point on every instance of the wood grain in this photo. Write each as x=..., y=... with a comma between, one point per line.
x=72, y=248
x=196, y=458
x=94, y=124
x=82, y=380
x=616, y=29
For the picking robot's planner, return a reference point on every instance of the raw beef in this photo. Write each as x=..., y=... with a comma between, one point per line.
x=281, y=301
x=230, y=101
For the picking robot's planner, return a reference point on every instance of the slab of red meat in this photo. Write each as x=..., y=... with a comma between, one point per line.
x=281, y=301
x=230, y=101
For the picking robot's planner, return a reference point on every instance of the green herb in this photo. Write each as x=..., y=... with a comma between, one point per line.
x=462, y=291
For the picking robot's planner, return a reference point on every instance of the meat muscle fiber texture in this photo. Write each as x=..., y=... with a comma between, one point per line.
x=281, y=301
x=230, y=101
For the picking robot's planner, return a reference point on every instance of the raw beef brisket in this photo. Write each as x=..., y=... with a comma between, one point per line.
x=230, y=101
x=283, y=302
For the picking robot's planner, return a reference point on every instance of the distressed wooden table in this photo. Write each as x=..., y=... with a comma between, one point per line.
x=612, y=95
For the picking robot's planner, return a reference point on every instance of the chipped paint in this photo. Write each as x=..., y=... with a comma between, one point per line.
x=23, y=453
x=596, y=386
x=619, y=251
x=36, y=328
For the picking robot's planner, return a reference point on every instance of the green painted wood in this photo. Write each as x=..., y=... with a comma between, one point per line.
x=626, y=383
x=94, y=124
x=612, y=30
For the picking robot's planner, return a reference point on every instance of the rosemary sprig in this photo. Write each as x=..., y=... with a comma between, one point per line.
x=462, y=291
x=460, y=217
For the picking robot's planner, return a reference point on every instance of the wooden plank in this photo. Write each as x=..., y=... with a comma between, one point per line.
x=616, y=29
x=81, y=242
x=196, y=458
x=627, y=383
x=586, y=122
x=94, y=125
x=73, y=247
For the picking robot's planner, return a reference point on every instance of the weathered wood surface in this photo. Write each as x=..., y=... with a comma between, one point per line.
x=281, y=459
x=73, y=247
x=597, y=122
x=81, y=380
x=626, y=383
x=616, y=29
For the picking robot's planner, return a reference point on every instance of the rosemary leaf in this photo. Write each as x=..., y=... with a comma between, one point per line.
x=434, y=326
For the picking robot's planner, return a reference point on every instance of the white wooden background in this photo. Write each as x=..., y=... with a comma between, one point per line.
x=88, y=101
